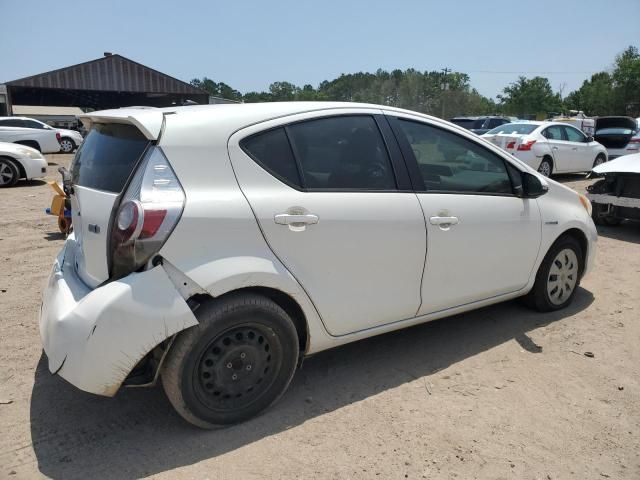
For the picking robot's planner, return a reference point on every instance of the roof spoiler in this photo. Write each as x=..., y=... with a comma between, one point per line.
x=147, y=120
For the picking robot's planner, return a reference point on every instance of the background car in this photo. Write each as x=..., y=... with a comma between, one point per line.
x=549, y=147
x=369, y=207
x=620, y=135
x=616, y=196
x=480, y=125
x=43, y=140
x=19, y=161
x=69, y=139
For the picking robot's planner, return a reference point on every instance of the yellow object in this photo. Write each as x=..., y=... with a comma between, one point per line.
x=57, y=205
x=56, y=187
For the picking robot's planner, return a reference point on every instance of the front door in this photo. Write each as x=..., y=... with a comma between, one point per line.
x=326, y=195
x=482, y=239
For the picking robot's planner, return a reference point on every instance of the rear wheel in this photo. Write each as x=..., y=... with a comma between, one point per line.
x=67, y=145
x=9, y=173
x=558, y=276
x=546, y=167
x=600, y=159
x=236, y=362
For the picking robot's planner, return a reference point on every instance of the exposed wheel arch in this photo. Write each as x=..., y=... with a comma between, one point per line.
x=282, y=299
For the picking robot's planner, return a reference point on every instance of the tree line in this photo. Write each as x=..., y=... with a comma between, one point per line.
x=613, y=92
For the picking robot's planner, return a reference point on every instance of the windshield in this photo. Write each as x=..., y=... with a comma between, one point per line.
x=513, y=128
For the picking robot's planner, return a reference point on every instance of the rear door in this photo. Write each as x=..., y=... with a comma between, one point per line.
x=334, y=202
x=581, y=156
x=560, y=148
x=483, y=239
x=100, y=171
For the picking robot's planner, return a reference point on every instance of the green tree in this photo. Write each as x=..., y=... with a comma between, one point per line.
x=626, y=79
x=594, y=97
x=530, y=97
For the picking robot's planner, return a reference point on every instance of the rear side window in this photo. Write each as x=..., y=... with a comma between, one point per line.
x=271, y=150
x=333, y=153
x=108, y=156
x=342, y=153
x=554, y=133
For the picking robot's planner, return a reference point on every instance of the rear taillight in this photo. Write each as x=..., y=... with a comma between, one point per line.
x=148, y=212
x=526, y=146
x=511, y=145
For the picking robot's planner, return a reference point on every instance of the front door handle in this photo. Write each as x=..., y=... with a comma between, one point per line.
x=295, y=220
x=554, y=148
x=443, y=222
x=574, y=148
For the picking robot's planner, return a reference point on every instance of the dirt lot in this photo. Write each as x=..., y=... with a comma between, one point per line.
x=498, y=393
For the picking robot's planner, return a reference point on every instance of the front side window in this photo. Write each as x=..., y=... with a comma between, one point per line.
x=342, y=153
x=451, y=163
x=574, y=135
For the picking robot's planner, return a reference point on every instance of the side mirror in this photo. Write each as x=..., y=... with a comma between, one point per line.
x=589, y=139
x=532, y=187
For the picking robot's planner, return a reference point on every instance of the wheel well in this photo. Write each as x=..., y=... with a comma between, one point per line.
x=581, y=238
x=282, y=299
x=29, y=143
x=548, y=157
x=21, y=170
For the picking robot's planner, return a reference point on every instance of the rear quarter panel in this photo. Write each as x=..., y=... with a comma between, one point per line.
x=217, y=242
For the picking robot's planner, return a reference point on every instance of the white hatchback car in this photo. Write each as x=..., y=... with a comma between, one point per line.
x=549, y=147
x=216, y=246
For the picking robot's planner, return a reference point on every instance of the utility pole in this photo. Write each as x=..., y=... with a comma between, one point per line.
x=444, y=86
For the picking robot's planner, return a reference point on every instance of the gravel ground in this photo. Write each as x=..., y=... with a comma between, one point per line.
x=502, y=392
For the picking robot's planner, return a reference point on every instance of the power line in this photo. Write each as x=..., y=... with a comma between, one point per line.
x=529, y=73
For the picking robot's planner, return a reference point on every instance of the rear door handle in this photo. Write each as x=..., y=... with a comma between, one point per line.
x=443, y=222
x=554, y=148
x=288, y=219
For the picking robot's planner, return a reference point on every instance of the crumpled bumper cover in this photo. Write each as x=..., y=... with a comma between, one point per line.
x=94, y=338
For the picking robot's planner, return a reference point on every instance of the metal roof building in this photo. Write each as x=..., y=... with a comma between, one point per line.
x=112, y=81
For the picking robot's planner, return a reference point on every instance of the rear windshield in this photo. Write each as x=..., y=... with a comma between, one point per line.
x=513, y=128
x=108, y=156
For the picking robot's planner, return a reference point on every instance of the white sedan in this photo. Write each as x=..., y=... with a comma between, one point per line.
x=549, y=147
x=19, y=161
x=68, y=140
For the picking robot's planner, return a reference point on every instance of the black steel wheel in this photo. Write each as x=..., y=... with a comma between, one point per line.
x=235, y=363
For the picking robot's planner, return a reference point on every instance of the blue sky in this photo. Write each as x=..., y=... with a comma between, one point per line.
x=249, y=43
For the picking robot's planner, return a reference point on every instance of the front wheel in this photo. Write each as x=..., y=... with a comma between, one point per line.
x=9, y=173
x=236, y=362
x=558, y=276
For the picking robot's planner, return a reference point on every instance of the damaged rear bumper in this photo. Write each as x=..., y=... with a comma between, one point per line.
x=94, y=338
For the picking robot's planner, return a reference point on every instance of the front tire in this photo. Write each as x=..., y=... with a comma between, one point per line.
x=67, y=145
x=235, y=363
x=558, y=276
x=9, y=173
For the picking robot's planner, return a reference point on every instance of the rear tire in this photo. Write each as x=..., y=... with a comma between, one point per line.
x=600, y=159
x=558, y=277
x=546, y=167
x=9, y=173
x=235, y=363
x=67, y=145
